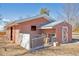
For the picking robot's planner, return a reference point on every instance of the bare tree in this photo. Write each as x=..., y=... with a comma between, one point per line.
x=71, y=13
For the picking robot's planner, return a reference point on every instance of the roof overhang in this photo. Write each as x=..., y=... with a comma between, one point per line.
x=51, y=25
x=46, y=27
x=30, y=18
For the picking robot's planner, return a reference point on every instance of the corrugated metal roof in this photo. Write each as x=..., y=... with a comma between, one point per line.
x=31, y=18
x=52, y=24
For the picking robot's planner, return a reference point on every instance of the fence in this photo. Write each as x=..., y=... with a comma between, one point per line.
x=35, y=43
x=38, y=42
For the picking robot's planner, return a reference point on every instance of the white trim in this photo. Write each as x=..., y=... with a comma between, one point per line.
x=66, y=34
x=46, y=27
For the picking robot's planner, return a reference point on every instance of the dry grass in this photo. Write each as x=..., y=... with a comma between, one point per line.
x=76, y=30
x=67, y=50
x=2, y=33
x=13, y=49
x=10, y=49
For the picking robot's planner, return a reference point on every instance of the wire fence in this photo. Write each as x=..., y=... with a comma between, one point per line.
x=38, y=42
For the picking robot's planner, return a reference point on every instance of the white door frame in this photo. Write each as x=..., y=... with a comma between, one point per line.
x=64, y=27
x=52, y=38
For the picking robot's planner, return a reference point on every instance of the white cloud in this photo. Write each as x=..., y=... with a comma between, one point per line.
x=3, y=22
x=6, y=20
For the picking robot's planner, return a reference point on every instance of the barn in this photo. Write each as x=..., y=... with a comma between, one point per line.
x=39, y=31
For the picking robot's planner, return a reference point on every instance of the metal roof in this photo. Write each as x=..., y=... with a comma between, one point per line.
x=31, y=18
x=52, y=24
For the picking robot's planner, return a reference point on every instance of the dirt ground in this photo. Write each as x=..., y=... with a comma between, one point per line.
x=65, y=49
x=8, y=48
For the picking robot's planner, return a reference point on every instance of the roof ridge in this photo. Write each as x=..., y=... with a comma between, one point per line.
x=30, y=18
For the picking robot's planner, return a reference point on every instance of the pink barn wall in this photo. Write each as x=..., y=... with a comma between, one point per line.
x=59, y=32
x=25, y=27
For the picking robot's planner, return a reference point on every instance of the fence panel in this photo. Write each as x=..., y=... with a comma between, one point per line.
x=38, y=42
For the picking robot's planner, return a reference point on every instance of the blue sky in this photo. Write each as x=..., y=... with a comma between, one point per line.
x=16, y=10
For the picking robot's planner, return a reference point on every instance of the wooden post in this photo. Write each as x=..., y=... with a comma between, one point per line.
x=46, y=40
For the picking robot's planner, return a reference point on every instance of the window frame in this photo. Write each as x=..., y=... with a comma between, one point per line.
x=33, y=28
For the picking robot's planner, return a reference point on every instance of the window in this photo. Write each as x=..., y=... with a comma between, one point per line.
x=53, y=34
x=33, y=28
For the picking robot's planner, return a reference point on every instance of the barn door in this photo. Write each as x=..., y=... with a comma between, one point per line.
x=64, y=34
x=11, y=36
x=52, y=38
x=25, y=41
